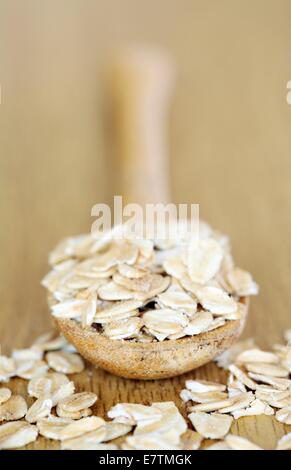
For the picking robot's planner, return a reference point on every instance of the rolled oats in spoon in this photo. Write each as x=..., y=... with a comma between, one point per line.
x=156, y=299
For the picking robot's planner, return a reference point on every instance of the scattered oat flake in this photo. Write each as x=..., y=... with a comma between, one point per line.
x=58, y=380
x=64, y=391
x=201, y=386
x=212, y=405
x=239, y=402
x=78, y=402
x=268, y=393
x=75, y=415
x=267, y=369
x=26, y=355
x=39, y=409
x=148, y=442
x=52, y=426
x=131, y=413
x=170, y=426
x=279, y=383
x=12, y=409
x=28, y=370
x=257, y=355
x=204, y=397
x=211, y=426
x=257, y=407
x=80, y=427
x=47, y=383
x=39, y=386
x=17, y=434
x=49, y=342
x=65, y=362
x=86, y=441
x=242, y=377
x=115, y=430
x=235, y=385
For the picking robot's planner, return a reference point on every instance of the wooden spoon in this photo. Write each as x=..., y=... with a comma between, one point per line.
x=151, y=360
x=142, y=81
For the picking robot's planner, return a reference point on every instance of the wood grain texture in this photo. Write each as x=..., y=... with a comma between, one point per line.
x=230, y=149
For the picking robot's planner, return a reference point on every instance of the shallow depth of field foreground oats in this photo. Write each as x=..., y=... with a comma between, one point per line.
x=60, y=413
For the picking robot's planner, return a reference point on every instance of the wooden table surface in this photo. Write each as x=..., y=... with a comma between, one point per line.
x=230, y=146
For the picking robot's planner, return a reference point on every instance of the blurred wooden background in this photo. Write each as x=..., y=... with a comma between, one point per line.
x=230, y=136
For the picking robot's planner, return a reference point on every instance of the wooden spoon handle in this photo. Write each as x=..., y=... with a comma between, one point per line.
x=142, y=82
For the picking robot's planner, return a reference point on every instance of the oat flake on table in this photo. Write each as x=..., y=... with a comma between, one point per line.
x=60, y=413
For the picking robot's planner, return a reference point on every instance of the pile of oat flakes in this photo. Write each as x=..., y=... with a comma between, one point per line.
x=258, y=383
x=147, y=290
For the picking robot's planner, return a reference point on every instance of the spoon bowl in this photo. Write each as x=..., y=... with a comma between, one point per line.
x=156, y=360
